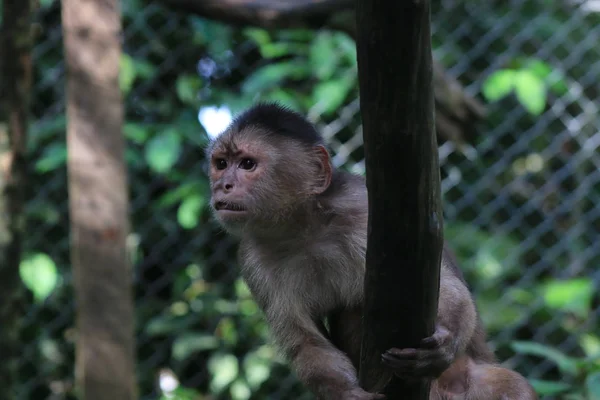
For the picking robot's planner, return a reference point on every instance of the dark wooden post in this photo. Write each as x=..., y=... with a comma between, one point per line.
x=15, y=91
x=98, y=201
x=405, y=216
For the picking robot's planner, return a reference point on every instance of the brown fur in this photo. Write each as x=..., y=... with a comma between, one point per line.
x=302, y=251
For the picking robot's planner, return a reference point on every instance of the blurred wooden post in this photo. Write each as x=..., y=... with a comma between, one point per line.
x=98, y=201
x=405, y=216
x=15, y=91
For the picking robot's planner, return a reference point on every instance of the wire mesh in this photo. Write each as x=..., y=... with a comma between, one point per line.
x=521, y=193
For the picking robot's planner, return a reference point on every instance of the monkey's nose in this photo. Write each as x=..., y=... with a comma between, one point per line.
x=228, y=186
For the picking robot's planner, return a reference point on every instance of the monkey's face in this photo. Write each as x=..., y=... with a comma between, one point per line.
x=258, y=180
x=245, y=188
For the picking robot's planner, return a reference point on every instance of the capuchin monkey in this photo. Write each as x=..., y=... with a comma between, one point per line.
x=302, y=226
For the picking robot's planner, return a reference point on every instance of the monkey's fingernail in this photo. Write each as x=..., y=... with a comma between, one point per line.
x=408, y=352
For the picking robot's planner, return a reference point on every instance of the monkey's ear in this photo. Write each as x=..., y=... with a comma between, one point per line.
x=325, y=170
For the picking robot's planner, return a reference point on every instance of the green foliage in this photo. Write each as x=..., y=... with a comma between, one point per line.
x=39, y=274
x=189, y=298
x=54, y=156
x=190, y=211
x=326, y=59
x=529, y=79
x=489, y=254
x=580, y=376
x=162, y=151
x=574, y=295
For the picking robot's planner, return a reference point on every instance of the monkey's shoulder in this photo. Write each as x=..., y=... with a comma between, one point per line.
x=347, y=198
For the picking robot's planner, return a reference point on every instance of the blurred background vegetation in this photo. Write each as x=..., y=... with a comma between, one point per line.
x=519, y=131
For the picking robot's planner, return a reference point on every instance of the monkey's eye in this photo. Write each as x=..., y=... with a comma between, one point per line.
x=247, y=164
x=220, y=163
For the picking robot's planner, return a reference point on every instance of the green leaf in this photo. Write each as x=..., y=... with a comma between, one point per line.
x=239, y=390
x=285, y=97
x=274, y=50
x=181, y=192
x=187, y=344
x=224, y=369
x=272, y=75
x=144, y=69
x=592, y=385
x=257, y=369
x=539, y=68
x=330, y=95
x=228, y=331
x=258, y=35
x=190, y=210
x=322, y=55
x=187, y=87
x=590, y=344
x=553, y=77
x=348, y=47
x=53, y=157
x=531, y=91
x=181, y=393
x=137, y=133
x=269, y=49
x=574, y=295
x=549, y=388
x=163, y=150
x=566, y=364
x=168, y=324
x=39, y=274
x=127, y=73
x=499, y=84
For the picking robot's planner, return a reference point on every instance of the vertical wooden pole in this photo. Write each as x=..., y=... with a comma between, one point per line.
x=405, y=215
x=98, y=200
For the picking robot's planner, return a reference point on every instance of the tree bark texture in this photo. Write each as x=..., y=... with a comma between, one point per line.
x=402, y=167
x=457, y=112
x=98, y=201
x=16, y=87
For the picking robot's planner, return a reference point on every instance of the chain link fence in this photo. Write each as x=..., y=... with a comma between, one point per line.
x=521, y=189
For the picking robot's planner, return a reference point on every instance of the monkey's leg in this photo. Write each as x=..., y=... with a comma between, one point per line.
x=492, y=382
x=468, y=380
x=345, y=327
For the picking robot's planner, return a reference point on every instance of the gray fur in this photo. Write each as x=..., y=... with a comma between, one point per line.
x=302, y=254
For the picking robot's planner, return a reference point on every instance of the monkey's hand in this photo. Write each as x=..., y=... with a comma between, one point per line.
x=434, y=356
x=360, y=394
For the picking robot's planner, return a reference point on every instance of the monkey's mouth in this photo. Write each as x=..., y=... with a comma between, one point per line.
x=227, y=206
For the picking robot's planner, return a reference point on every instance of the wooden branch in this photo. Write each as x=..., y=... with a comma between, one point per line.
x=98, y=201
x=16, y=87
x=405, y=214
x=266, y=13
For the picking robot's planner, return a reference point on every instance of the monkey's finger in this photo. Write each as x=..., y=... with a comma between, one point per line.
x=422, y=358
x=403, y=353
x=430, y=342
x=412, y=355
x=398, y=363
x=440, y=336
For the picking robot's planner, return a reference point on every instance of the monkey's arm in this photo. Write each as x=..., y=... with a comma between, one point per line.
x=323, y=368
x=455, y=326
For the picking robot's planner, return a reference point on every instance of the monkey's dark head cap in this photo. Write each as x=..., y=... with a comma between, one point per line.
x=278, y=119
